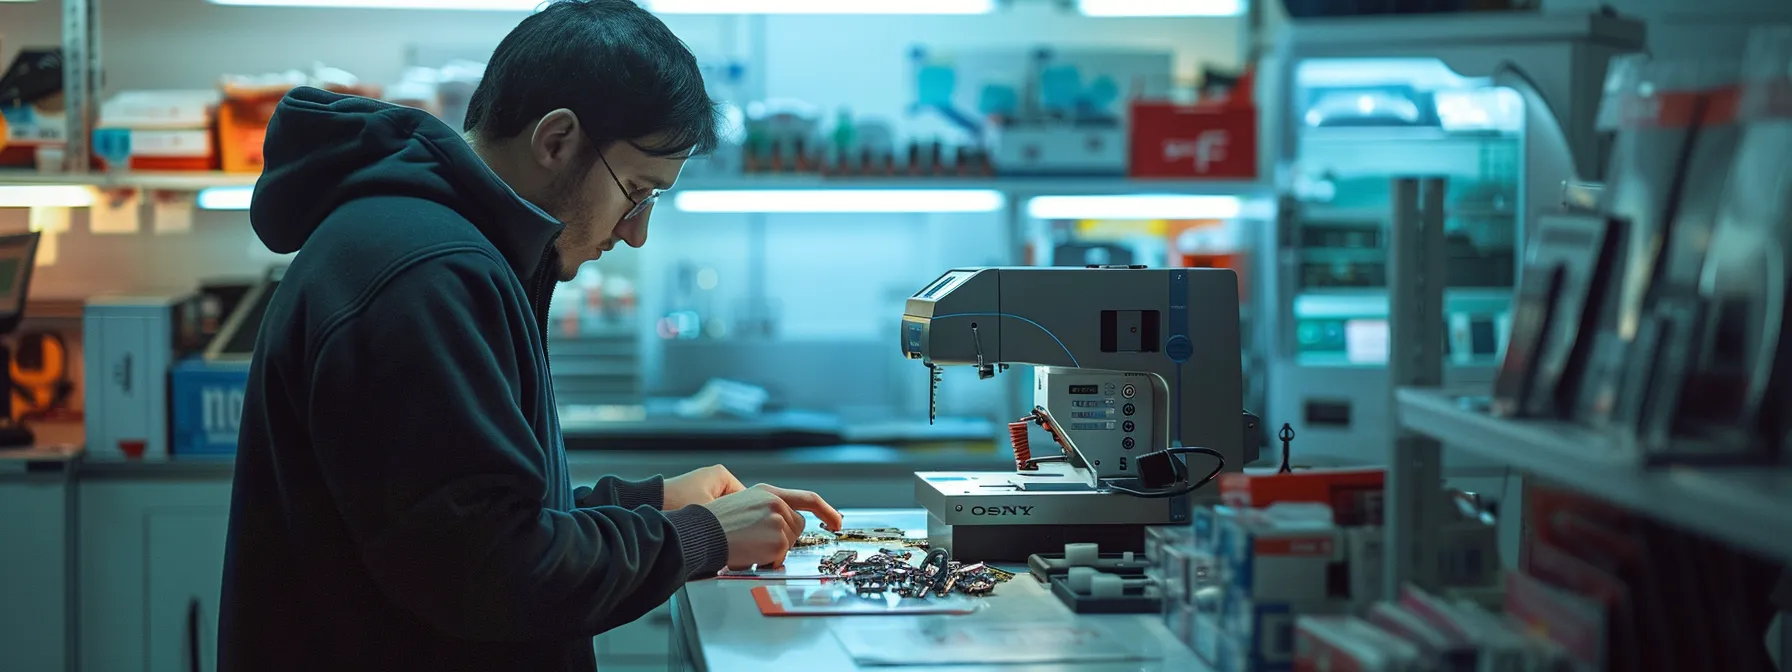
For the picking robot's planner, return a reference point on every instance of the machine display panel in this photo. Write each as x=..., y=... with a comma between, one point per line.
x=1085, y=389
x=945, y=282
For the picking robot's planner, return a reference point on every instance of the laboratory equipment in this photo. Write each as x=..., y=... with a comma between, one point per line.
x=1133, y=368
x=1483, y=101
x=18, y=255
x=128, y=347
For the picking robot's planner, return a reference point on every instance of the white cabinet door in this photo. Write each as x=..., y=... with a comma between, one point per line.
x=34, y=573
x=184, y=561
x=147, y=547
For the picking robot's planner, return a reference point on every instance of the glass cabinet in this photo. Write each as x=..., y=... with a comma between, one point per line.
x=1500, y=105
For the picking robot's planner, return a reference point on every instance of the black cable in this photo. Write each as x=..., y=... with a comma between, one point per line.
x=1192, y=486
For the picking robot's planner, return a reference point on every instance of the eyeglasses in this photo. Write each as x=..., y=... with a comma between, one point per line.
x=642, y=205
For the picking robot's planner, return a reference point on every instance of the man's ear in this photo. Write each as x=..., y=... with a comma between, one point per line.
x=557, y=139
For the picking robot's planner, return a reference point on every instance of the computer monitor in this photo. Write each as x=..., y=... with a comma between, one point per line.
x=235, y=341
x=18, y=255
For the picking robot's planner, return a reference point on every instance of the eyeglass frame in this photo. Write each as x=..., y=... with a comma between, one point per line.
x=641, y=206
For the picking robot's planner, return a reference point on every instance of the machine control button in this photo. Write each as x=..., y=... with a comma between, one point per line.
x=1127, y=426
x=1110, y=388
x=1128, y=391
x=1128, y=443
x=1128, y=409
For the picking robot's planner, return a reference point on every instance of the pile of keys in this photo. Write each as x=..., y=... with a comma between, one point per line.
x=889, y=571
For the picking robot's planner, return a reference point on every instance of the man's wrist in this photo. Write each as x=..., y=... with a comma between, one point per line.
x=634, y=494
x=701, y=541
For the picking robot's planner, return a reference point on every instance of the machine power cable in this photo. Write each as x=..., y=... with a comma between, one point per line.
x=1219, y=459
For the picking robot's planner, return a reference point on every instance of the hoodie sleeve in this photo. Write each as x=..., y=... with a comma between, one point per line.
x=613, y=491
x=415, y=414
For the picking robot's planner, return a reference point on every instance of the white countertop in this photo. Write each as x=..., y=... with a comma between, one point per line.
x=723, y=630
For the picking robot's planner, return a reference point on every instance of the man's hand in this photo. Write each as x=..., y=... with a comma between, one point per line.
x=761, y=528
x=700, y=487
x=803, y=500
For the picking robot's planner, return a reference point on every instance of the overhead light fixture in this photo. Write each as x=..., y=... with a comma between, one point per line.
x=822, y=6
x=225, y=198
x=1161, y=7
x=841, y=201
x=45, y=196
x=661, y=6
x=468, y=5
x=1142, y=206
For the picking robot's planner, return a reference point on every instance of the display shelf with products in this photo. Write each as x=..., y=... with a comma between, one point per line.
x=1095, y=186
x=1745, y=506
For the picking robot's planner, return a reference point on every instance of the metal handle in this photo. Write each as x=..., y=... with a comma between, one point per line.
x=121, y=373
x=193, y=635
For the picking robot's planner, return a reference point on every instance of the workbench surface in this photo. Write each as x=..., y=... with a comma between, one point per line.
x=717, y=626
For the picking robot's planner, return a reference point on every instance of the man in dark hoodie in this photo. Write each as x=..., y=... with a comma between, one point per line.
x=401, y=498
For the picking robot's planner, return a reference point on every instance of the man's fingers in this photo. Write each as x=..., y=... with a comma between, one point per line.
x=803, y=500
x=793, y=522
x=730, y=484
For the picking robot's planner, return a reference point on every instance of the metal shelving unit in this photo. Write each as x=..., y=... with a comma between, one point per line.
x=1747, y=507
x=1016, y=186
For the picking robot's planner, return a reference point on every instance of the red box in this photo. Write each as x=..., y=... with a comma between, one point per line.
x=1355, y=495
x=1216, y=142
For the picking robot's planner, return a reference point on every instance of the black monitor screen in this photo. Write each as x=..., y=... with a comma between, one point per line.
x=9, y=277
x=16, y=253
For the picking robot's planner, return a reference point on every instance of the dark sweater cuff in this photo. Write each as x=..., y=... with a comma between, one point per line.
x=701, y=540
x=633, y=494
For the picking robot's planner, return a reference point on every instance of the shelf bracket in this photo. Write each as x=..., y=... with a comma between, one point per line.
x=1416, y=280
x=80, y=80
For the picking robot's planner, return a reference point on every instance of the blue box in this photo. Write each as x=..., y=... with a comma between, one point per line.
x=208, y=406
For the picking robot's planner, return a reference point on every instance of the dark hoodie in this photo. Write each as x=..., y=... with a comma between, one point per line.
x=401, y=497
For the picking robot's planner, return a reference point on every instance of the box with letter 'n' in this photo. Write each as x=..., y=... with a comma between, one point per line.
x=208, y=406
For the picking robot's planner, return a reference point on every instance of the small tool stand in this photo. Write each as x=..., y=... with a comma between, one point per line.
x=1090, y=582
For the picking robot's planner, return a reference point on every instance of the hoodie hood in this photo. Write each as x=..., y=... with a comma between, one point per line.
x=325, y=149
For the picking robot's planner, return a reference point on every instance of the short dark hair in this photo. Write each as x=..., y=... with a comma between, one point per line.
x=614, y=64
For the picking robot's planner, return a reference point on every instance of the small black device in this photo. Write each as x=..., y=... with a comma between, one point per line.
x=18, y=256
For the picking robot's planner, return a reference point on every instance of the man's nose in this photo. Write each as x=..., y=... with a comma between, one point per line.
x=634, y=231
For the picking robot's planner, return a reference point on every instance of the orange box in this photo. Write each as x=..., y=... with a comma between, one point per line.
x=1234, y=261
x=243, y=122
x=1355, y=495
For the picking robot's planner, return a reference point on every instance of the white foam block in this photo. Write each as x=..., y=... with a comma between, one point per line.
x=1081, y=555
x=1080, y=579
x=1107, y=585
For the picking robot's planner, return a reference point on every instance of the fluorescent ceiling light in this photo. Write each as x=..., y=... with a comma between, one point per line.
x=841, y=201
x=45, y=196
x=822, y=6
x=1161, y=7
x=1143, y=206
x=225, y=198
x=470, y=5
x=663, y=6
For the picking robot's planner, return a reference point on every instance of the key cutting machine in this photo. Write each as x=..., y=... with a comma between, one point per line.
x=1137, y=378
